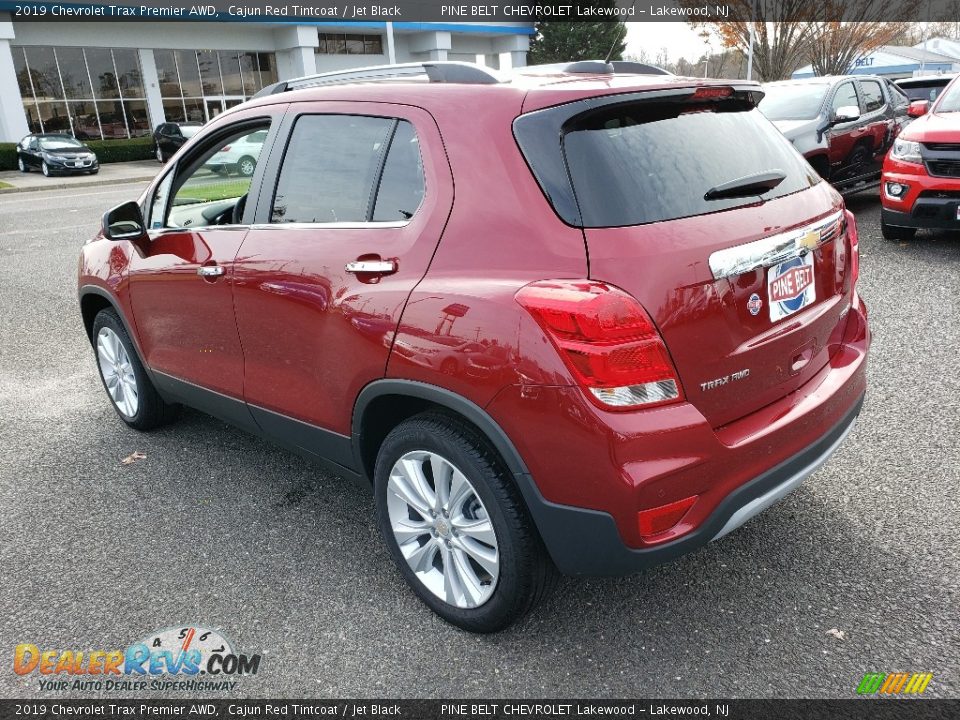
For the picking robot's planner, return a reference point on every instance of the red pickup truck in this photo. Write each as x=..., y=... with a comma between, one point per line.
x=920, y=185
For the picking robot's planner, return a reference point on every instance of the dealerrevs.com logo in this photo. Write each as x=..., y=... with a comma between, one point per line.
x=189, y=658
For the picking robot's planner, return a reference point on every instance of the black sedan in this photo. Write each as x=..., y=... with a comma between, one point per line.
x=54, y=154
x=169, y=136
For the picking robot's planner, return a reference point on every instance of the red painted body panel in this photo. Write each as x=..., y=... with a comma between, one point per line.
x=705, y=322
x=186, y=322
x=313, y=334
x=621, y=463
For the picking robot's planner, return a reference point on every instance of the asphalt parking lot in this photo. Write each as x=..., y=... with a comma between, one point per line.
x=857, y=571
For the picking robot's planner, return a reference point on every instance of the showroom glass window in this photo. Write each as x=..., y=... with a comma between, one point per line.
x=340, y=44
x=197, y=85
x=91, y=93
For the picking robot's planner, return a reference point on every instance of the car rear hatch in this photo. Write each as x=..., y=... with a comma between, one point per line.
x=693, y=203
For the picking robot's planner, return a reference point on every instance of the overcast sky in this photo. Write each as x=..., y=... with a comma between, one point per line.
x=678, y=37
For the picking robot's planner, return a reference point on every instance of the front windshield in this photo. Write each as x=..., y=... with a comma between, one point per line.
x=950, y=99
x=64, y=143
x=792, y=102
x=188, y=131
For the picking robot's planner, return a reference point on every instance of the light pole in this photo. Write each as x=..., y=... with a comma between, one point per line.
x=706, y=56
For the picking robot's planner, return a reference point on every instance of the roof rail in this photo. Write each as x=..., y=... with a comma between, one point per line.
x=597, y=67
x=432, y=71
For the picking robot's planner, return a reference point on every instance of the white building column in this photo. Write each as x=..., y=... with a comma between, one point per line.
x=391, y=45
x=13, y=123
x=435, y=45
x=151, y=86
x=512, y=51
x=296, y=51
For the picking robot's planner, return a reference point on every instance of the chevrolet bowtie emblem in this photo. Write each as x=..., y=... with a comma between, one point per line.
x=809, y=240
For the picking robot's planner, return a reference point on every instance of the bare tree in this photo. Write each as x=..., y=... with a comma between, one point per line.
x=781, y=30
x=854, y=29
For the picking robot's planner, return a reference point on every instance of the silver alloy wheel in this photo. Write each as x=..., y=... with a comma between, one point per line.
x=117, y=372
x=20, y=165
x=247, y=166
x=443, y=529
x=159, y=154
x=44, y=168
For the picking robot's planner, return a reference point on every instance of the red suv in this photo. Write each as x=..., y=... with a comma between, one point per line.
x=920, y=185
x=575, y=318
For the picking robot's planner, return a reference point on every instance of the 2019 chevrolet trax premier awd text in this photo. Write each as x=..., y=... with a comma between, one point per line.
x=593, y=323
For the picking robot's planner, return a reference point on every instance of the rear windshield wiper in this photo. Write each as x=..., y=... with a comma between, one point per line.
x=746, y=186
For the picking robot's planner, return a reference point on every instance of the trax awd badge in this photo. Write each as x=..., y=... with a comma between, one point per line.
x=720, y=381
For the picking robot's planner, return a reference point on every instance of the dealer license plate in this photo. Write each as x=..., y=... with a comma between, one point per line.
x=790, y=287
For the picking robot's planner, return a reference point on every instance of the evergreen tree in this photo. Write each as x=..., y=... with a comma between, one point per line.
x=558, y=42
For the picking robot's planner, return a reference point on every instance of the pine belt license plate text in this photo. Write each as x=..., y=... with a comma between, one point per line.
x=790, y=287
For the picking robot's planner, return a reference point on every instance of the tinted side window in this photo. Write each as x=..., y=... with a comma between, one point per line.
x=872, y=95
x=401, y=185
x=846, y=95
x=329, y=169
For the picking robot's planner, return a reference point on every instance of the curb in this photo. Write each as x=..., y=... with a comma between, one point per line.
x=84, y=184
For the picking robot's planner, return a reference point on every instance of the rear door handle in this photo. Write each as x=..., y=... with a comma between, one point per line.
x=380, y=267
x=210, y=271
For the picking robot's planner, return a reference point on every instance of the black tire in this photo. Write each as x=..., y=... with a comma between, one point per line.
x=95, y=171
x=21, y=165
x=895, y=232
x=152, y=410
x=246, y=166
x=526, y=572
x=45, y=169
x=160, y=155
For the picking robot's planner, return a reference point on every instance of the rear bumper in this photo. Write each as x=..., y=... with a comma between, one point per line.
x=591, y=472
x=586, y=542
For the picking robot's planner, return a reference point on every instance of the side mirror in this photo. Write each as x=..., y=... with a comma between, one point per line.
x=918, y=108
x=846, y=113
x=124, y=222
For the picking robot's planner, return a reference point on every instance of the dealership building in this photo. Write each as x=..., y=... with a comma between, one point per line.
x=112, y=80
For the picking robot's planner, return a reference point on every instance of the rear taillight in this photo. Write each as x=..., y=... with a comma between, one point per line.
x=854, y=241
x=225, y=148
x=606, y=339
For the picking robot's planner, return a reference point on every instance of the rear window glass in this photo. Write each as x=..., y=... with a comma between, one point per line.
x=648, y=162
x=793, y=102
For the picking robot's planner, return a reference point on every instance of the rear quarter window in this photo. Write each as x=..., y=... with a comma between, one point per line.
x=649, y=162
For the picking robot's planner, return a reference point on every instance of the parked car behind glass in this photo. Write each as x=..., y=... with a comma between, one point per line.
x=239, y=157
x=842, y=125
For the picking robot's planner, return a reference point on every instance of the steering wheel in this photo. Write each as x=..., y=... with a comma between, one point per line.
x=237, y=216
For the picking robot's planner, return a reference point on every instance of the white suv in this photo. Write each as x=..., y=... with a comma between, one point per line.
x=239, y=156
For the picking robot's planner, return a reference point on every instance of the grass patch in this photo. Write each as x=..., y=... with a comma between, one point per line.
x=4, y=186
x=212, y=191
